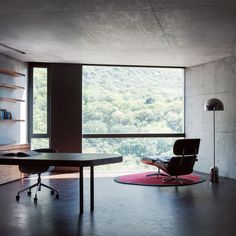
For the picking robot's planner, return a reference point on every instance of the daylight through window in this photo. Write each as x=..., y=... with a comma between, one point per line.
x=122, y=102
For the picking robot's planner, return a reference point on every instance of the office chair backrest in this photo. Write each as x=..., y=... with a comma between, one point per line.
x=45, y=150
x=186, y=146
x=187, y=150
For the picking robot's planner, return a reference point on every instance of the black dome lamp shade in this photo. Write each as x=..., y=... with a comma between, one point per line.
x=214, y=104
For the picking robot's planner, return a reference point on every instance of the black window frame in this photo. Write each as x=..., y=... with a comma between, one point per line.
x=31, y=134
x=138, y=135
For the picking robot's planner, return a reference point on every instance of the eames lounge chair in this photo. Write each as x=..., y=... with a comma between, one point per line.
x=181, y=163
x=32, y=169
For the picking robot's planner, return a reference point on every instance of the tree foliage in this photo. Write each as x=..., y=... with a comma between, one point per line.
x=122, y=100
x=132, y=100
x=40, y=100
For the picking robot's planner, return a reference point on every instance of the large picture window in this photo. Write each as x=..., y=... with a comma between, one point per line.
x=126, y=108
x=132, y=111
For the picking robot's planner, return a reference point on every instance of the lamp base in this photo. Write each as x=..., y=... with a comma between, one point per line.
x=214, y=174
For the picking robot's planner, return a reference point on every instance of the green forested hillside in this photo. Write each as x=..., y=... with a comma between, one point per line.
x=132, y=100
x=122, y=100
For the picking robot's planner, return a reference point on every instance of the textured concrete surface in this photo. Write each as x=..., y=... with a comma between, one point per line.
x=216, y=79
x=134, y=32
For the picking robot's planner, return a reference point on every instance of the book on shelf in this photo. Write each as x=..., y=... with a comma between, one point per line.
x=21, y=154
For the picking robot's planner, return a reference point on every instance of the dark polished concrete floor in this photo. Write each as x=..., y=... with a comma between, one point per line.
x=202, y=209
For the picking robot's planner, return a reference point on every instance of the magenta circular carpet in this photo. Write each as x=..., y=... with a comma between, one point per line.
x=143, y=179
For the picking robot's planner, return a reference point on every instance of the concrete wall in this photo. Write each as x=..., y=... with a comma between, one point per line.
x=14, y=132
x=215, y=79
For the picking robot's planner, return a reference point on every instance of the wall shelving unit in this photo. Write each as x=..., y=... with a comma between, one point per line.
x=9, y=99
x=10, y=86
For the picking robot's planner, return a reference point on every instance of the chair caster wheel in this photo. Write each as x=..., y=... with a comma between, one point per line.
x=57, y=196
x=35, y=200
x=17, y=198
x=29, y=193
x=52, y=192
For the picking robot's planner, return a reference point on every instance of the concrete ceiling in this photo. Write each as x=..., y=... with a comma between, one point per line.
x=124, y=32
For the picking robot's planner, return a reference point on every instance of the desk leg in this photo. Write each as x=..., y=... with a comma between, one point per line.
x=91, y=188
x=81, y=189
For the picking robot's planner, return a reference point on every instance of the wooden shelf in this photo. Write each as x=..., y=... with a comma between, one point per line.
x=10, y=72
x=11, y=86
x=11, y=121
x=11, y=99
x=14, y=147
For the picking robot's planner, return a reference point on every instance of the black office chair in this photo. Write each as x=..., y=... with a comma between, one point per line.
x=31, y=169
x=185, y=151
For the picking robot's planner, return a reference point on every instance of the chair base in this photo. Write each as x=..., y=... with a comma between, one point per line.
x=174, y=178
x=158, y=173
x=38, y=186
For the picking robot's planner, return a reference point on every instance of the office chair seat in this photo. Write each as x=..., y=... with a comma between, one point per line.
x=32, y=169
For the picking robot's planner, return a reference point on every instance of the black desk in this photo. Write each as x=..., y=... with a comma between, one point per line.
x=68, y=159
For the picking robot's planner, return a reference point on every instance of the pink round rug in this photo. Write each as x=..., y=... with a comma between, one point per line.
x=143, y=179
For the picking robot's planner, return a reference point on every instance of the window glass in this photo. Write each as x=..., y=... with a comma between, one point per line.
x=132, y=150
x=40, y=100
x=132, y=100
x=39, y=143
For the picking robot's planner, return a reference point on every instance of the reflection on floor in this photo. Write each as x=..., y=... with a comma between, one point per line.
x=202, y=209
x=97, y=174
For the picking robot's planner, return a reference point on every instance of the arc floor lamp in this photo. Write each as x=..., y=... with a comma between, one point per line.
x=214, y=105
